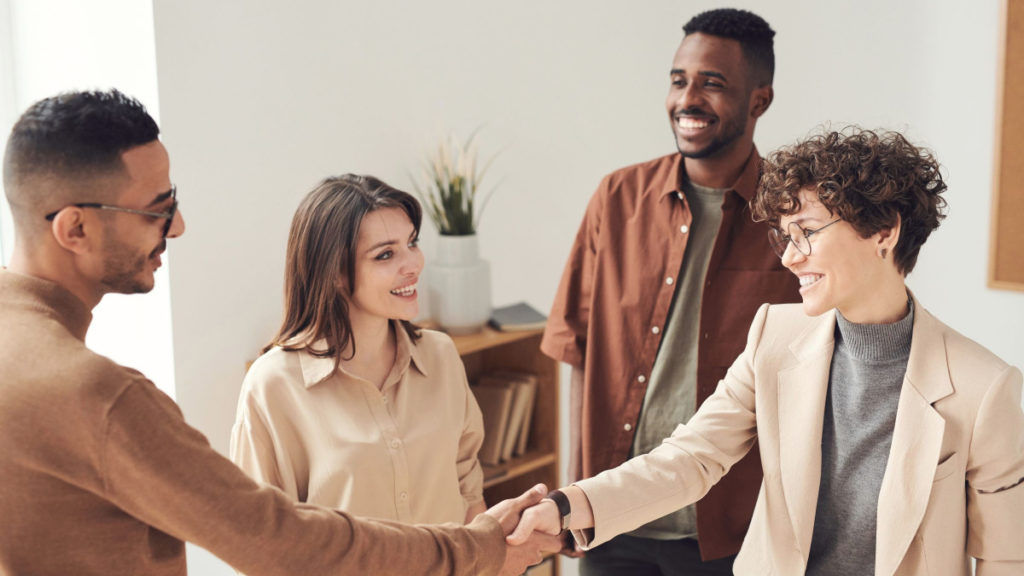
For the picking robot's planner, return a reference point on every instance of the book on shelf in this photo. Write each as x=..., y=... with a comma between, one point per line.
x=509, y=398
x=527, y=421
x=517, y=317
x=524, y=387
x=495, y=405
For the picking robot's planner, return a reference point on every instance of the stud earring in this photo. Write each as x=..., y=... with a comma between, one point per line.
x=883, y=253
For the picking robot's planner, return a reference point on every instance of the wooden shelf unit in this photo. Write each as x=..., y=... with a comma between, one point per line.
x=520, y=351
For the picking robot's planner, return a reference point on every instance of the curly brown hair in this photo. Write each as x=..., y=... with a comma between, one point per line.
x=871, y=179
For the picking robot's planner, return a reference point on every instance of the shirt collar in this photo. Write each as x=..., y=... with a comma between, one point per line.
x=318, y=369
x=47, y=297
x=745, y=185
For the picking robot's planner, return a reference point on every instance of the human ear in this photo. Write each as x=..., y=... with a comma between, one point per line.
x=760, y=100
x=888, y=238
x=71, y=231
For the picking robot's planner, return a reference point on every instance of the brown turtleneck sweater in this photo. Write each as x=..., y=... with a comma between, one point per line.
x=100, y=475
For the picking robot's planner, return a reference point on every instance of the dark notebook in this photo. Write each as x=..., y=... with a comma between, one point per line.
x=519, y=316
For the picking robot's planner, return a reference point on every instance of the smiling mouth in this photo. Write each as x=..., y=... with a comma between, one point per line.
x=158, y=250
x=405, y=290
x=809, y=279
x=691, y=123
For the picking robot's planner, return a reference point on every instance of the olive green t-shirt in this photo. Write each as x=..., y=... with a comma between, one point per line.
x=671, y=397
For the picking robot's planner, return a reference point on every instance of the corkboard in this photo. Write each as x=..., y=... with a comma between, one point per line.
x=1006, y=254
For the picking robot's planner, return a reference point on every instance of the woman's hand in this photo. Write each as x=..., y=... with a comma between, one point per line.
x=542, y=517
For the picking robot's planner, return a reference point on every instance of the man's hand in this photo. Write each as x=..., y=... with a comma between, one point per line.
x=518, y=558
x=542, y=517
x=531, y=549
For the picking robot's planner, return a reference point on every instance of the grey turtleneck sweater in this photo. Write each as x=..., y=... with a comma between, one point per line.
x=868, y=366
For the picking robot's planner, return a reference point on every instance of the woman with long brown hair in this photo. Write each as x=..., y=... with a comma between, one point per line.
x=351, y=406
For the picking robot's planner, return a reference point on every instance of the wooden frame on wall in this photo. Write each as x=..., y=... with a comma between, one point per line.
x=1006, y=250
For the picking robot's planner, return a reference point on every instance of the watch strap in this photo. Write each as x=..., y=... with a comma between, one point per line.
x=562, y=503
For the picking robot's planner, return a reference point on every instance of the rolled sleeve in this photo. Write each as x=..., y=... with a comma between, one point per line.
x=565, y=335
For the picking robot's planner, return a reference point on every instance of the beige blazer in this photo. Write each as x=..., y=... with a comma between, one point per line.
x=952, y=486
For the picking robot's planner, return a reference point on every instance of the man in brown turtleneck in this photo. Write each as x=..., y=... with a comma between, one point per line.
x=99, y=473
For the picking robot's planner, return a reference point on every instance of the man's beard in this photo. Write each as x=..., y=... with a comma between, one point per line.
x=125, y=271
x=732, y=130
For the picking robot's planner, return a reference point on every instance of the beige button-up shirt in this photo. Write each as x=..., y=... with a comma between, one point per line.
x=407, y=452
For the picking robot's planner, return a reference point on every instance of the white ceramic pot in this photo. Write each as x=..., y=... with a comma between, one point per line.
x=460, y=285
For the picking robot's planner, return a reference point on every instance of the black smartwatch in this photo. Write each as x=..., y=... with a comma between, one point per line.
x=564, y=508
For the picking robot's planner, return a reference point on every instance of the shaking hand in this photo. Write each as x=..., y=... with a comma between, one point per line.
x=529, y=549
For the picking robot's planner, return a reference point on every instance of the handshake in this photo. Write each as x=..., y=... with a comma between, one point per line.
x=531, y=529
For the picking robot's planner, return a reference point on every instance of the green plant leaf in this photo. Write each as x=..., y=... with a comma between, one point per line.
x=450, y=198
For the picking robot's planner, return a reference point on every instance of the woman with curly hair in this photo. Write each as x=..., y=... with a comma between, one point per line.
x=890, y=443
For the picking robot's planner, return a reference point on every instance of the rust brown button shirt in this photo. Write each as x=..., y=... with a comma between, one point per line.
x=613, y=290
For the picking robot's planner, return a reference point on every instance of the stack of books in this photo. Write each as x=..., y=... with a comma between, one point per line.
x=506, y=401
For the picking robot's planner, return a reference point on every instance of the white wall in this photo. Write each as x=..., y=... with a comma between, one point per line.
x=8, y=114
x=60, y=45
x=261, y=100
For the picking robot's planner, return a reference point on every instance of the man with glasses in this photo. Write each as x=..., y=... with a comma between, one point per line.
x=99, y=473
x=121, y=273
x=168, y=216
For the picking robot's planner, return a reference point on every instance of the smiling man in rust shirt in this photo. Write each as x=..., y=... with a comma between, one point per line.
x=99, y=473
x=664, y=278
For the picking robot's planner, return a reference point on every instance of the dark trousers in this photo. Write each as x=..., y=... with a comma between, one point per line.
x=631, y=556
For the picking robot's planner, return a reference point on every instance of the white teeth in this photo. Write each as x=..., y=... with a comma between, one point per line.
x=691, y=123
x=809, y=279
x=405, y=290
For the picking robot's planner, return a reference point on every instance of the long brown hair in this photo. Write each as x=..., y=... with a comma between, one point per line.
x=320, y=267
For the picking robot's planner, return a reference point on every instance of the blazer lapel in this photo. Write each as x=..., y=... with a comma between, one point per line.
x=802, y=391
x=916, y=443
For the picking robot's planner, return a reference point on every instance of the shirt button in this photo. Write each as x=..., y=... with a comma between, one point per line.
x=395, y=444
x=384, y=399
x=641, y=379
x=669, y=280
x=403, y=496
x=627, y=427
x=655, y=329
x=684, y=228
x=707, y=335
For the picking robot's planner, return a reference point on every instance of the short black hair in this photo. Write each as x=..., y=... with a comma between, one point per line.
x=75, y=134
x=750, y=30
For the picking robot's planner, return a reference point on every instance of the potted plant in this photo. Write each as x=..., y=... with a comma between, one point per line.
x=460, y=281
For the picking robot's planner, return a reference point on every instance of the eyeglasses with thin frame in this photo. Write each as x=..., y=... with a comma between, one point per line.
x=168, y=215
x=798, y=236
